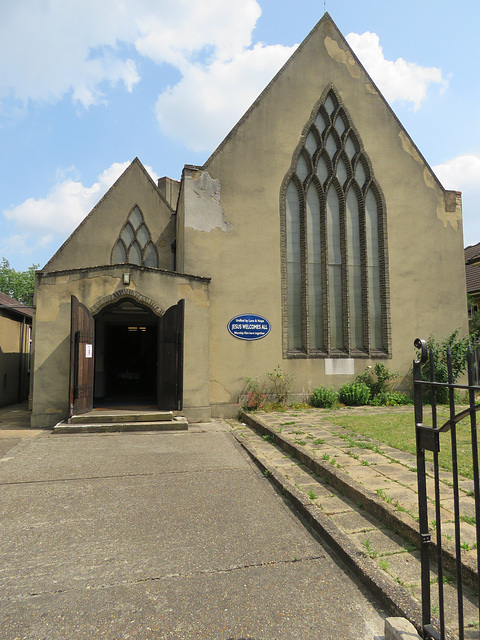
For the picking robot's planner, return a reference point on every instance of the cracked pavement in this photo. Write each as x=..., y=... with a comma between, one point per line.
x=162, y=535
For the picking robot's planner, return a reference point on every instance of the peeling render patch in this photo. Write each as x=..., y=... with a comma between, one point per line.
x=449, y=207
x=205, y=212
x=197, y=295
x=409, y=147
x=344, y=57
x=451, y=212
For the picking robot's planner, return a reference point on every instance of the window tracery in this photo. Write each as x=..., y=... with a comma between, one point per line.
x=335, y=279
x=134, y=244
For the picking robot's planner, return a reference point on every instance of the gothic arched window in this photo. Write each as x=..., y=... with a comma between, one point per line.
x=335, y=280
x=134, y=244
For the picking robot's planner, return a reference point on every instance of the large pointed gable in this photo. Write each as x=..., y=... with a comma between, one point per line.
x=91, y=243
x=324, y=57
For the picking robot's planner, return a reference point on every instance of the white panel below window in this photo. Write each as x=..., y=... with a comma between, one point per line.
x=339, y=366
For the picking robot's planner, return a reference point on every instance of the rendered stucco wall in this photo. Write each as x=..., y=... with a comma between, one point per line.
x=231, y=216
x=92, y=287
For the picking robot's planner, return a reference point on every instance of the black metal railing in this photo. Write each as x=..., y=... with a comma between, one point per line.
x=476, y=360
x=428, y=437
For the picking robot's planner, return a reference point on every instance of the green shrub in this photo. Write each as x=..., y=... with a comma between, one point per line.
x=324, y=397
x=377, y=379
x=281, y=383
x=458, y=348
x=390, y=399
x=354, y=394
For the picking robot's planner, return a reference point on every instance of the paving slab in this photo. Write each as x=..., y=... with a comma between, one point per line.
x=355, y=522
x=164, y=536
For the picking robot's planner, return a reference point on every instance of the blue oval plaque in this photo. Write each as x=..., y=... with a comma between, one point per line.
x=249, y=326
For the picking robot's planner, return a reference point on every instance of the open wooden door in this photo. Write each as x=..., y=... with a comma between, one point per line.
x=170, y=358
x=82, y=340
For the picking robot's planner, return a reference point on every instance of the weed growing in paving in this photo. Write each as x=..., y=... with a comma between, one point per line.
x=383, y=562
x=319, y=441
x=373, y=553
x=269, y=438
x=312, y=495
x=469, y=520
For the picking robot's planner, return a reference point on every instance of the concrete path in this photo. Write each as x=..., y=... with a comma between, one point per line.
x=15, y=426
x=165, y=536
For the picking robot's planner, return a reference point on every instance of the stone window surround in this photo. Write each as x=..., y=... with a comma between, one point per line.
x=348, y=351
x=147, y=244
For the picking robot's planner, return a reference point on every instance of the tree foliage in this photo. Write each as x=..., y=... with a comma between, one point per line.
x=17, y=284
x=473, y=316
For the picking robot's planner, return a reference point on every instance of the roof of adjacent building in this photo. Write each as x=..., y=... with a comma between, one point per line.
x=472, y=267
x=13, y=305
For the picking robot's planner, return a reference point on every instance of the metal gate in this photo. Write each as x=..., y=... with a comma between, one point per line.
x=428, y=438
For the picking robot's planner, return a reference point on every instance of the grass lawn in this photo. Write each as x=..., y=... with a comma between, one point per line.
x=398, y=430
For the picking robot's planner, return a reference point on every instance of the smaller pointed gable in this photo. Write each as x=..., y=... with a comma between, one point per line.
x=94, y=241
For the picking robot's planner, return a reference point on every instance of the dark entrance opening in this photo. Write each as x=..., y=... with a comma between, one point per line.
x=139, y=356
x=131, y=363
x=126, y=355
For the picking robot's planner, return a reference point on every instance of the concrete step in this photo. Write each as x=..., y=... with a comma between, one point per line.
x=178, y=423
x=103, y=417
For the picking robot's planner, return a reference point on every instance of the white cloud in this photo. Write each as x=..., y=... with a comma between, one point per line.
x=50, y=49
x=209, y=100
x=463, y=174
x=399, y=79
x=193, y=27
x=65, y=206
x=43, y=221
x=53, y=48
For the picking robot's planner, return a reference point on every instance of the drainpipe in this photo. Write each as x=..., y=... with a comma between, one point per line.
x=20, y=365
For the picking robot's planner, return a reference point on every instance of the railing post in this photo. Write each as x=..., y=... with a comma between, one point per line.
x=425, y=537
x=473, y=431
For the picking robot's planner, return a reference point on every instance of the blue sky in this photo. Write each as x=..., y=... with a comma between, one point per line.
x=86, y=86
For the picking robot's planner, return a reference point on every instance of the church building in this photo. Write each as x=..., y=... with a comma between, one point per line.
x=316, y=237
